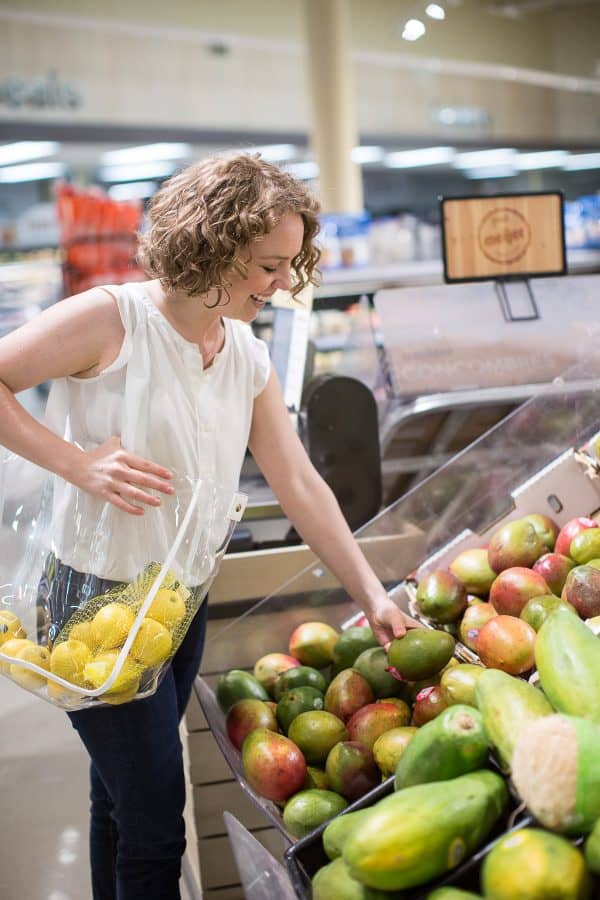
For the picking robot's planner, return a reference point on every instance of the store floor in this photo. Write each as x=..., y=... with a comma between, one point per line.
x=44, y=801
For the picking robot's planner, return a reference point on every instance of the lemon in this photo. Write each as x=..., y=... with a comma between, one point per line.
x=68, y=660
x=11, y=648
x=100, y=667
x=83, y=632
x=152, y=644
x=168, y=608
x=32, y=653
x=111, y=625
x=10, y=626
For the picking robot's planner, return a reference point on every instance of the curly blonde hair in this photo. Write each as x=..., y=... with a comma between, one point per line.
x=202, y=219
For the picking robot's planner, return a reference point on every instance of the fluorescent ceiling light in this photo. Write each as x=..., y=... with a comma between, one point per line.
x=413, y=30
x=138, y=172
x=579, y=161
x=504, y=156
x=435, y=11
x=275, y=152
x=547, y=159
x=23, y=150
x=132, y=190
x=414, y=159
x=303, y=170
x=145, y=153
x=490, y=172
x=363, y=155
x=31, y=172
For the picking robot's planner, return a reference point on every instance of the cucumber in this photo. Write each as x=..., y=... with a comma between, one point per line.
x=421, y=832
x=567, y=656
x=556, y=770
x=452, y=744
x=507, y=704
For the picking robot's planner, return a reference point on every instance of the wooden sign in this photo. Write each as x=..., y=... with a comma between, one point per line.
x=503, y=236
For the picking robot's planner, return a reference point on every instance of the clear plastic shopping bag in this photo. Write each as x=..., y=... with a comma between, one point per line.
x=94, y=602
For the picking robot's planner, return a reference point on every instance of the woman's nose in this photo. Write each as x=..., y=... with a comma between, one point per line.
x=284, y=280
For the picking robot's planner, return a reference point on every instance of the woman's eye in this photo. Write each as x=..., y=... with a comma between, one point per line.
x=267, y=269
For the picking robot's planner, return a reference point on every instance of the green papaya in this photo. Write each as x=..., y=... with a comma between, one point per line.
x=338, y=831
x=334, y=882
x=452, y=893
x=421, y=832
x=556, y=770
x=507, y=704
x=421, y=653
x=567, y=656
x=452, y=744
x=591, y=849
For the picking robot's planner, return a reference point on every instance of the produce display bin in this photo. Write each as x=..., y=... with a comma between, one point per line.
x=540, y=459
x=304, y=858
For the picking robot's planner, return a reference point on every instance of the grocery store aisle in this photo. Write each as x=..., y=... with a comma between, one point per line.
x=44, y=805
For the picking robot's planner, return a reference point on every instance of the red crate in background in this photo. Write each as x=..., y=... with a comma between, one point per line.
x=98, y=237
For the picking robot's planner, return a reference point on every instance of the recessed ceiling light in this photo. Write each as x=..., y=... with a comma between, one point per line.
x=435, y=11
x=414, y=159
x=490, y=172
x=145, y=153
x=31, y=172
x=502, y=156
x=546, y=159
x=581, y=161
x=138, y=172
x=132, y=190
x=20, y=151
x=413, y=30
x=362, y=155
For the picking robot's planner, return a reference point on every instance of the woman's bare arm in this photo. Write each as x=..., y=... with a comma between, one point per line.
x=313, y=510
x=78, y=336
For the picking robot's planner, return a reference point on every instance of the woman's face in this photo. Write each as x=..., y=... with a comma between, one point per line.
x=268, y=262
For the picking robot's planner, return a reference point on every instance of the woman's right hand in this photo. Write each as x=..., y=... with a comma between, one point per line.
x=122, y=478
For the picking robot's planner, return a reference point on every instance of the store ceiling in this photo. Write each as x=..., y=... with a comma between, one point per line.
x=516, y=8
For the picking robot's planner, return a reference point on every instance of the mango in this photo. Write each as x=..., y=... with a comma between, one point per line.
x=473, y=621
x=516, y=543
x=421, y=653
x=570, y=530
x=442, y=597
x=532, y=864
x=296, y=701
x=273, y=765
x=350, y=644
x=312, y=643
x=299, y=676
x=373, y=720
x=347, y=693
x=514, y=587
x=536, y=611
x=585, y=546
x=390, y=746
x=472, y=568
x=554, y=568
x=458, y=684
x=246, y=715
x=268, y=668
x=546, y=528
x=315, y=733
x=582, y=590
x=308, y=809
x=372, y=664
x=351, y=769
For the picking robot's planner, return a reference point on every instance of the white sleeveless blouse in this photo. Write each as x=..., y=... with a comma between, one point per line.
x=166, y=407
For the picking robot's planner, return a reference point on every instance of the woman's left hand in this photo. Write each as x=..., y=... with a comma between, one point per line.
x=388, y=621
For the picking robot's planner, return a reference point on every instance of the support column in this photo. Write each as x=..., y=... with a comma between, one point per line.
x=334, y=130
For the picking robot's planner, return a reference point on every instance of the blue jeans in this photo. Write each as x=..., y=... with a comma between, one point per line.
x=137, y=832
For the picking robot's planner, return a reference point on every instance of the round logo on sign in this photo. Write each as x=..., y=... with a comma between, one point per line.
x=504, y=235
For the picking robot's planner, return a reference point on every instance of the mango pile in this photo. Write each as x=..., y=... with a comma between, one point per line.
x=495, y=599
x=321, y=725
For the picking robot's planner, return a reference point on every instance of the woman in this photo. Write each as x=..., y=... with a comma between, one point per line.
x=166, y=375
